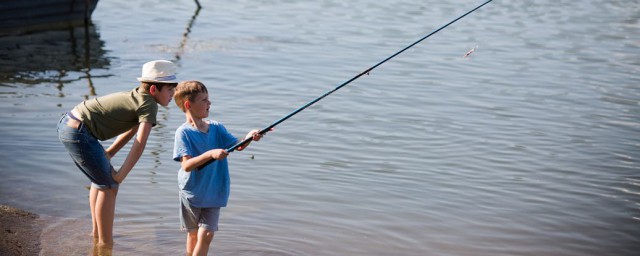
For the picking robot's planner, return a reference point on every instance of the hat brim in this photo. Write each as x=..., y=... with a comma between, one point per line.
x=146, y=80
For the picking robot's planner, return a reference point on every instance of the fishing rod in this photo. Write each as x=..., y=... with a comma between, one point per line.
x=270, y=127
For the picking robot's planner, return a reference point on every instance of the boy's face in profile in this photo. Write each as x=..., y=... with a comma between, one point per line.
x=199, y=108
x=164, y=95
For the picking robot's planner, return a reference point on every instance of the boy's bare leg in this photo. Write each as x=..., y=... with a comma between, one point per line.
x=204, y=240
x=93, y=196
x=192, y=238
x=105, y=213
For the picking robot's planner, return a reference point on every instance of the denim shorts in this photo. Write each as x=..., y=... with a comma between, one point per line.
x=87, y=153
x=193, y=217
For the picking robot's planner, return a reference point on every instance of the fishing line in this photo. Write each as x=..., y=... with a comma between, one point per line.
x=274, y=124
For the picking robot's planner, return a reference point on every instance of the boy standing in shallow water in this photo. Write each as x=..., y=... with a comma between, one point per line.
x=123, y=114
x=204, y=188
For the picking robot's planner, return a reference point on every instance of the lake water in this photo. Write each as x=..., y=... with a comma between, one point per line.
x=528, y=146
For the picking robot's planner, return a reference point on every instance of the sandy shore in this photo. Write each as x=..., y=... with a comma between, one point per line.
x=26, y=233
x=19, y=232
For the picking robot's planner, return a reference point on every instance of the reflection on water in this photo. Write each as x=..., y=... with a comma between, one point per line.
x=52, y=56
x=185, y=35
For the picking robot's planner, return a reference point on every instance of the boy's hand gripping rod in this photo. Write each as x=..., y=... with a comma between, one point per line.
x=268, y=128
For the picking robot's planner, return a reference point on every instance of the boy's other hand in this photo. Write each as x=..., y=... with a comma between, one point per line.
x=255, y=135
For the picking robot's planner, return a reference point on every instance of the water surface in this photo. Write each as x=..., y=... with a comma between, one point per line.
x=529, y=146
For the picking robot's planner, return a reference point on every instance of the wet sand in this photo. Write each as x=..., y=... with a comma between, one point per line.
x=19, y=232
x=23, y=233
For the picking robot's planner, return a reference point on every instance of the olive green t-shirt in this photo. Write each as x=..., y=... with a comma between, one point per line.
x=111, y=115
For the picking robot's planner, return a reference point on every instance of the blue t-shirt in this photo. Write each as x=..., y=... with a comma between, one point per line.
x=206, y=186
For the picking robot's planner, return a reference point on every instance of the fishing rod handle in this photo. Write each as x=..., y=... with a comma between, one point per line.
x=231, y=149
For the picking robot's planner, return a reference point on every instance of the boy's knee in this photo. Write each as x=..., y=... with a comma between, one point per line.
x=206, y=235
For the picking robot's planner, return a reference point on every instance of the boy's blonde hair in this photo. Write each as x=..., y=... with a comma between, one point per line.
x=187, y=91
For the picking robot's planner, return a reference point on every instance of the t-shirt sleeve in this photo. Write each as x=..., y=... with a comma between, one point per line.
x=148, y=112
x=181, y=145
x=228, y=140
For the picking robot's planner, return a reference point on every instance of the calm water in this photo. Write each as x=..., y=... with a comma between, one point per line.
x=529, y=146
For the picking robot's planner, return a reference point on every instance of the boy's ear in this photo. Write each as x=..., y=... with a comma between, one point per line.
x=187, y=105
x=153, y=90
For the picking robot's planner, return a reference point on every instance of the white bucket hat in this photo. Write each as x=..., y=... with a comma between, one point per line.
x=158, y=71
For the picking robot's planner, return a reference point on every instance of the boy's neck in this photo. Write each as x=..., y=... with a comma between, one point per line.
x=197, y=123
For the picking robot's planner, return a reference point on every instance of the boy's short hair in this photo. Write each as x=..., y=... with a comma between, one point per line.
x=145, y=86
x=188, y=90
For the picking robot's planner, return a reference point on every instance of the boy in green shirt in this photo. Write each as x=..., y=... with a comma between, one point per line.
x=122, y=114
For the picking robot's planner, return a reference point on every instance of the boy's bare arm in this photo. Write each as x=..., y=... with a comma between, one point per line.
x=189, y=163
x=122, y=140
x=136, y=151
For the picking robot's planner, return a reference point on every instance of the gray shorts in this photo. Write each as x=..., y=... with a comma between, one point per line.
x=193, y=217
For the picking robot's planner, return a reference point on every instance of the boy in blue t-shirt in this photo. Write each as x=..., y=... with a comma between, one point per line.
x=204, y=188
